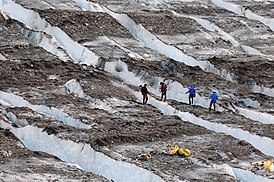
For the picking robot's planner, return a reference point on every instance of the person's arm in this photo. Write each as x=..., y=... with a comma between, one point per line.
x=147, y=91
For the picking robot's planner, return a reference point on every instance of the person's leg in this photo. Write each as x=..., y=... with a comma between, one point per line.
x=214, y=103
x=162, y=95
x=210, y=106
x=165, y=96
x=189, y=100
x=144, y=99
x=192, y=100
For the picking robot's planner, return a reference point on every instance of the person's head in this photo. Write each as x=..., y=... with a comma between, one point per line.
x=214, y=91
x=145, y=85
x=140, y=86
x=161, y=83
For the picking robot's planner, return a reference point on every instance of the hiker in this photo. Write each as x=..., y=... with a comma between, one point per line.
x=145, y=93
x=192, y=94
x=163, y=91
x=214, y=98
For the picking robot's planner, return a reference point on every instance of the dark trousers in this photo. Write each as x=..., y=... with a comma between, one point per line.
x=190, y=99
x=214, y=105
x=163, y=95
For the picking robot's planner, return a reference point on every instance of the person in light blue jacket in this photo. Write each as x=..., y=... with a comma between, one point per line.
x=214, y=98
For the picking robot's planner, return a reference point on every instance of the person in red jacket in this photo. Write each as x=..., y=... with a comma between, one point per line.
x=163, y=91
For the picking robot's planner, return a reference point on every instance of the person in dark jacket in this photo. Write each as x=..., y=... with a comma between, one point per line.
x=214, y=98
x=192, y=94
x=145, y=93
x=163, y=91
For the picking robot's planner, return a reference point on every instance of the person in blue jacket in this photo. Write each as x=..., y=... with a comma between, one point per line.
x=192, y=94
x=214, y=98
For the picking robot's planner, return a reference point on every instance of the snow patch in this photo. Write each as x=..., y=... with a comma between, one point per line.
x=18, y=101
x=48, y=43
x=225, y=36
x=229, y=6
x=129, y=52
x=5, y=125
x=247, y=176
x=88, y=6
x=249, y=102
x=83, y=155
x=53, y=77
x=32, y=19
x=13, y=118
x=74, y=87
x=242, y=11
x=257, y=116
x=263, y=90
x=2, y=58
x=213, y=28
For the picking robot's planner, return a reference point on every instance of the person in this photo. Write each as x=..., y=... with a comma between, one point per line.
x=192, y=94
x=163, y=91
x=214, y=98
x=145, y=93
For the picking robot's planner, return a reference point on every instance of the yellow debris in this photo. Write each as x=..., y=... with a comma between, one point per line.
x=174, y=151
x=185, y=152
x=148, y=157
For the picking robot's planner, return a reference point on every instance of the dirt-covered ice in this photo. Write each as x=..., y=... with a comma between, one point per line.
x=70, y=102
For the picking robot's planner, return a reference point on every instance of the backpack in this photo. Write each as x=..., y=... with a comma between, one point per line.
x=192, y=92
x=164, y=86
x=144, y=91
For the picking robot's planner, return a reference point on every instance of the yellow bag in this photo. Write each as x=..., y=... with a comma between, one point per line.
x=185, y=152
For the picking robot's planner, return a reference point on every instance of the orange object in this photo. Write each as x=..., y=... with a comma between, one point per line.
x=267, y=164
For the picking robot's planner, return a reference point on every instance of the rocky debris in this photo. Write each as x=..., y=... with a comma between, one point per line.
x=92, y=24
x=127, y=127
